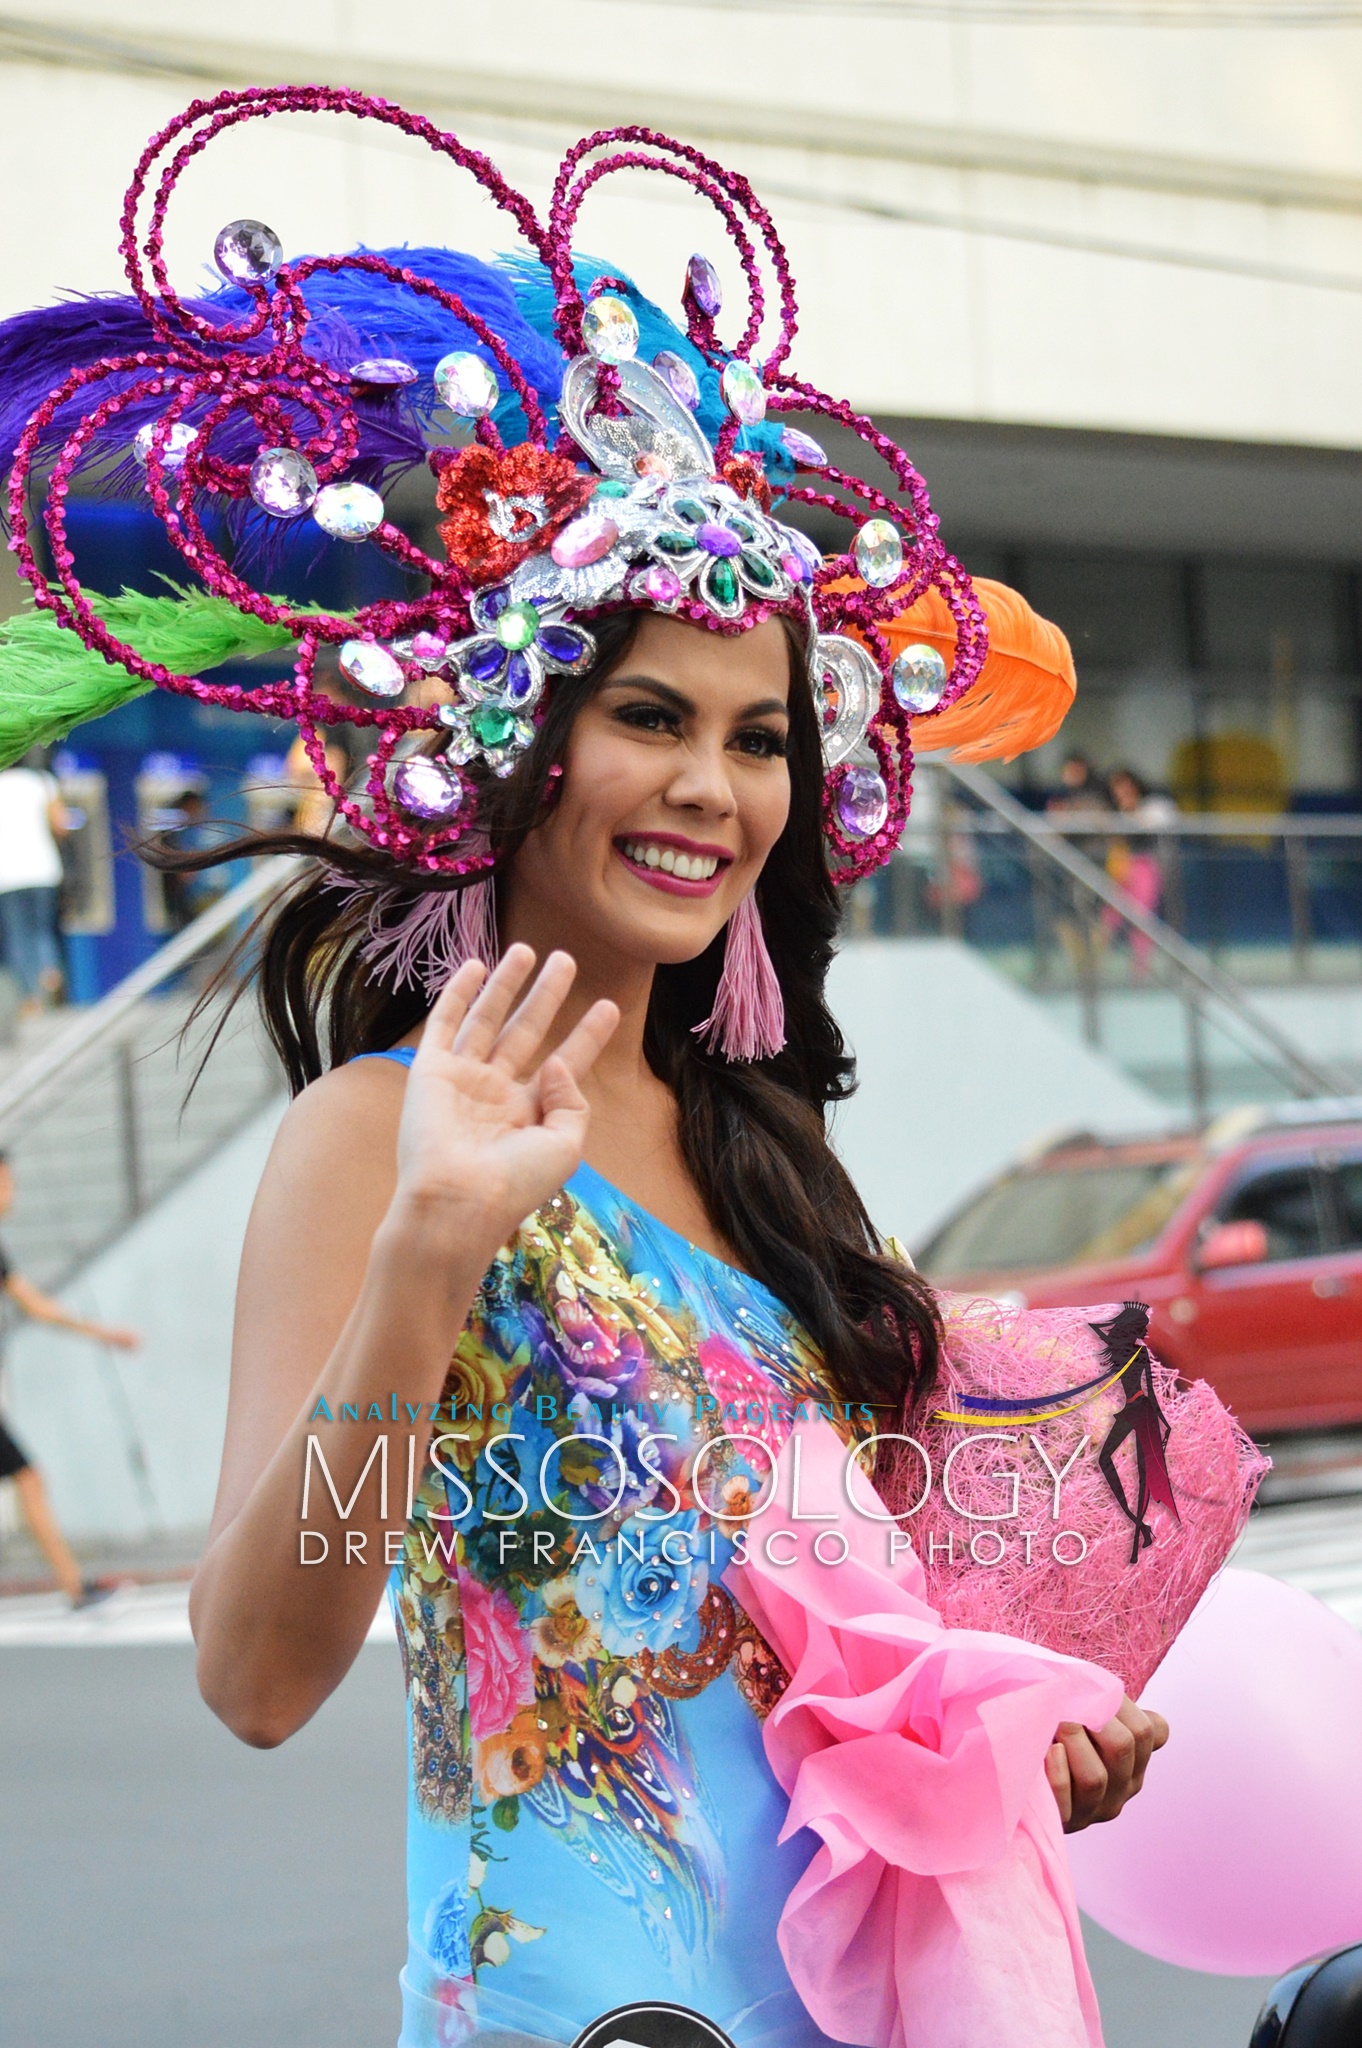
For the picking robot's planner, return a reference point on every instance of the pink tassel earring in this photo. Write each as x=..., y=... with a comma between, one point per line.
x=748, y=1018
x=442, y=929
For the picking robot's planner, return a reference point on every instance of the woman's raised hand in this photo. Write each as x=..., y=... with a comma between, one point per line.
x=490, y=1129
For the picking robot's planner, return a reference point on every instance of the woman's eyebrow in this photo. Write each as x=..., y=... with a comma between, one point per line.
x=665, y=691
x=765, y=707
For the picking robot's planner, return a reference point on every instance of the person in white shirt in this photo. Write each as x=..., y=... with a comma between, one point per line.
x=32, y=819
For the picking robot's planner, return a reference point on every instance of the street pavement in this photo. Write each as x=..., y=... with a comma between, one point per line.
x=169, y=1888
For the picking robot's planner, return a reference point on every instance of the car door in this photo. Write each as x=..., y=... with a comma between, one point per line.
x=1258, y=1331
x=1339, y=1285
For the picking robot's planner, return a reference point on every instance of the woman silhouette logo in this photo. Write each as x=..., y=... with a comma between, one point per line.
x=652, y=2025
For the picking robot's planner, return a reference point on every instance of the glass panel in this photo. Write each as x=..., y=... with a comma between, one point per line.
x=1348, y=1181
x=1284, y=1202
x=1060, y=1216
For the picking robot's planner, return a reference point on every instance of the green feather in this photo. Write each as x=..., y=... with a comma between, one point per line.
x=50, y=681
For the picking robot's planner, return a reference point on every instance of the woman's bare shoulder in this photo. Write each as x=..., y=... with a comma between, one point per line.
x=344, y=1124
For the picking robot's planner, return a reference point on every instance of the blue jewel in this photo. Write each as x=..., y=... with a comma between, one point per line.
x=562, y=643
x=519, y=679
x=494, y=602
x=486, y=660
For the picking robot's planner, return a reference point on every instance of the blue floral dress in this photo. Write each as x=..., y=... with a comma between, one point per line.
x=592, y=1818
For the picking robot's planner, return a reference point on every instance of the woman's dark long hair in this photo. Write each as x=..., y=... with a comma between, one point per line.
x=752, y=1135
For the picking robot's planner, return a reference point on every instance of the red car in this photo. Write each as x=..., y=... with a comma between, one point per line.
x=1245, y=1239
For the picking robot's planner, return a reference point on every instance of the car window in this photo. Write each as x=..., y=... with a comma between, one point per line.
x=1056, y=1215
x=1348, y=1193
x=1285, y=1200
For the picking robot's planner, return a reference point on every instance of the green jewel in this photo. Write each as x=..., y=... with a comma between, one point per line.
x=675, y=543
x=517, y=626
x=490, y=726
x=758, y=568
x=723, y=581
x=742, y=527
x=611, y=488
x=689, y=508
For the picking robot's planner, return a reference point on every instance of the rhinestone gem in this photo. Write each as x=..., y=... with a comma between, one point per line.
x=674, y=543
x=796, y=568
x=702, y=283
x=758, y=568
x=466, y=385
x=518, y=626
x=802, y=448
x=610, y=329
x=744, y=392
x=611, y=487
x=717, y=540
x=429, y=648
x=383, y=372
x=879, y=553
x=585, y=540
x=247, y=252
x=486, y=659
x=491, y=725
x=723, y=581
x=283, y=482
x=348, y=511
x=519, y=679
x=564, y=643
x=862, y=803
x=919, y=678
x=426, y=787
x=660, y=585
x=372, y=668
x=650, y=463
x=678, y=376
x=176, y=446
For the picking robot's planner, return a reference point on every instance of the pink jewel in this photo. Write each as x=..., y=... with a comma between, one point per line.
x=649, y=464
x=585, y=541
x=660, y=585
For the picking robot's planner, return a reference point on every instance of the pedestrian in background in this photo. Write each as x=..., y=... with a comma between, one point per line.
x=32, y=820
x=15, y=1462
x=1134, y=865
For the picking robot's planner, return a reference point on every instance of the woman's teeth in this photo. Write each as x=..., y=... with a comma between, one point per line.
x=687, y=867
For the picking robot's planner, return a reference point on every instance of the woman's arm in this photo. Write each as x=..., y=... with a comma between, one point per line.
x=381, y=1207
x=41, y=1308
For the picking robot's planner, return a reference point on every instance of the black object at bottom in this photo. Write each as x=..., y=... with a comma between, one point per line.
x=652, y=2025
x=13, y=1457
x=1317, y=2006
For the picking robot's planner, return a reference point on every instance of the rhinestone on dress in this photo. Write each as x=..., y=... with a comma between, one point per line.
x=283, y=483
x=174, y=448
x=372, y=668
x=466, y=385
x=610, y=329
x=702, y=283
x=348, y=511
x=383, y=372
x=802, y=449
x=426, y=787
x=879, y=553
x=247, y=252
x=862, y=803
x=744, y=392
x=919, y=678
x=679, y=378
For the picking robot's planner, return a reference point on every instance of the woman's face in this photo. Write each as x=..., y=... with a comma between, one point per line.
x=675, y=788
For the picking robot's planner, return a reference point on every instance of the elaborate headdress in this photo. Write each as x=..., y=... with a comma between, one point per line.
x=593, y=479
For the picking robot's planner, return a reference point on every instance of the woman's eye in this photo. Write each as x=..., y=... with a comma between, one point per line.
x=763, y=741
x=647, y=717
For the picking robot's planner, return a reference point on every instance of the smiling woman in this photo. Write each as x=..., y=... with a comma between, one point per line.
x=550, y=997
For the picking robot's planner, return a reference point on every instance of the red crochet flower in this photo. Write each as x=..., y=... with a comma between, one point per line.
x=504, y=505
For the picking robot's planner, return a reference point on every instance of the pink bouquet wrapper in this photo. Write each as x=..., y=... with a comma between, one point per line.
x=1119, y=1554
x=937, y=1911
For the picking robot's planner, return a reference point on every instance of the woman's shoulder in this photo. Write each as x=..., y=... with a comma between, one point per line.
x=343, y=1121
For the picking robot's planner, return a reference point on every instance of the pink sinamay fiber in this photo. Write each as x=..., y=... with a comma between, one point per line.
x=1007, y=1546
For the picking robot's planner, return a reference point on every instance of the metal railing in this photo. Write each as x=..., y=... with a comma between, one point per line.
x=980, y=866
x=100, y=1122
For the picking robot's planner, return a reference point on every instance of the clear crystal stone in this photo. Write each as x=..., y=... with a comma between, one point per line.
x=878, y=549
x=372, y=668
x=702, y=284
x=679, y=378
x=862, y=802
x=248, y=252
x=610, y=329
x=174, y=448
x=919, y=678
x=283, y=482
x=348, y=511
x=803, y=449
x=744, y=392
x=466, y=385
x=384, y=371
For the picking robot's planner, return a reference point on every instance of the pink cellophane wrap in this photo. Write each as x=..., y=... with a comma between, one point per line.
x=938, y=1912
x=1119, y=1613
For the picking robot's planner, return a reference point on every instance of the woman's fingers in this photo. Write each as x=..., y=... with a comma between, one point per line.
x=451, y=1007
x=588, y=1038
x=481, y=1028
x=517, y=1047
x=1057, y=1771
x=562, y=1105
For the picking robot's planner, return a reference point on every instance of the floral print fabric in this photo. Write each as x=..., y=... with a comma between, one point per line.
x=592, y=1818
